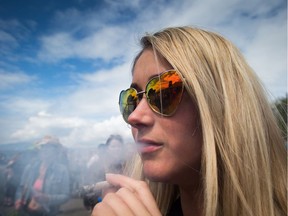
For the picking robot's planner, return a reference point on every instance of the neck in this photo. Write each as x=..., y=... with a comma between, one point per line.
x=192, y=201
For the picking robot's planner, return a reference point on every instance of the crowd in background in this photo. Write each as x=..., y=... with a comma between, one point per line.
x=40, y=180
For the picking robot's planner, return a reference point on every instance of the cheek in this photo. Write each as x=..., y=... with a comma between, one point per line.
x=185, y=136
x=185, y=133
x=184, y=151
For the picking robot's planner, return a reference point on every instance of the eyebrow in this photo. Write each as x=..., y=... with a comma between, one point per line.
x=134, y=85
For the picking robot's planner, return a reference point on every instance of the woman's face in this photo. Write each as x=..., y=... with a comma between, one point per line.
x=169, y=149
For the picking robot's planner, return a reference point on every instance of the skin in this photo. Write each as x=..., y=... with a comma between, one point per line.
x=168, y=146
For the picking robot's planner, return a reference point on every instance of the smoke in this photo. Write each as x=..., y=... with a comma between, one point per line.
x=84, y=166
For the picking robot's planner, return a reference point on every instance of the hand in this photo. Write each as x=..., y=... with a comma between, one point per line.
x=18, y=204
x=131, y=199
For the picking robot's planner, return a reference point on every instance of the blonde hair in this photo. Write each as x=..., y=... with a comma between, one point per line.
x=244, y=162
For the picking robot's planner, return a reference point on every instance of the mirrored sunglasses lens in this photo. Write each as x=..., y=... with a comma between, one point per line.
x=165, y=93
x=128, y=102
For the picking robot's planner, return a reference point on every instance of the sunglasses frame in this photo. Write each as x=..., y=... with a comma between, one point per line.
x=139, y=98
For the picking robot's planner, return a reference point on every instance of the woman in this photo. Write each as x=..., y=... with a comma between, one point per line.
x=206, y=134
x=45, y=181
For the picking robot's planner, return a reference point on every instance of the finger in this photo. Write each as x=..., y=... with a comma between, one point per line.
x=109, y=190
x=103, y=209
x=117, y=204
x=133, y=202
x=139, y=187
x=123, y=181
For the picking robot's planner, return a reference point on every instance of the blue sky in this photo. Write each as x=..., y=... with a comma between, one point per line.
x=64, y=62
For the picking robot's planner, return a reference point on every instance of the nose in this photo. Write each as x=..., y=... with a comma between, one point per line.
x=142, y=115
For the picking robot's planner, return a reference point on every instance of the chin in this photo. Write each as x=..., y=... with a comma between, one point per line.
x=155, y=174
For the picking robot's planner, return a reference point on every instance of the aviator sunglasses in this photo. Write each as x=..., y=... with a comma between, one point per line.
x=163, y=93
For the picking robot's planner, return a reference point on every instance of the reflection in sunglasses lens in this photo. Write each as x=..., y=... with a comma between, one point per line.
x=165, y=93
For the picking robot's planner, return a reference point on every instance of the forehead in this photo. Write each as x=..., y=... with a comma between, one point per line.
x=147, y=65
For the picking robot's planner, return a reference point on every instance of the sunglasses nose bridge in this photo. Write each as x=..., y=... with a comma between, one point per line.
x=140, y=94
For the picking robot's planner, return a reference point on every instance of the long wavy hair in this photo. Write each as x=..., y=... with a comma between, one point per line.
x=244, y=159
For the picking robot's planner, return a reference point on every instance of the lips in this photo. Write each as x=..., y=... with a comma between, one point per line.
x=148, y=146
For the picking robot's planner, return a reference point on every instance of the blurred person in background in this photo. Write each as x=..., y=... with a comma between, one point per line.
x=95, y=172
x=95, y=167
x=116, y=154
x=44, y=185
x=110, y=157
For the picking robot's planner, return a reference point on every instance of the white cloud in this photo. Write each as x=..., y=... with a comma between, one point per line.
x=73, y=131
x=7, y=38
x=98, y=132
x=45, y=123
x=106, y=43
x=96, y=95
x=57, y=46
x=267, y=54
x=13, y=33
x=10, y=80
x=23, y=106
x=134, y=4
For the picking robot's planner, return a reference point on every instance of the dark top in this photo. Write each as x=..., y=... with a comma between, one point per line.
x=176, y=209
